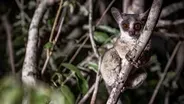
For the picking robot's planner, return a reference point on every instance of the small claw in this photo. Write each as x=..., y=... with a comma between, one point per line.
x=123, y=89
x=127, y=56
x=130, y=59
x=135, y=64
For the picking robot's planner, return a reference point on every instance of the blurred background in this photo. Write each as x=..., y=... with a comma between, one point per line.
x=72, y=67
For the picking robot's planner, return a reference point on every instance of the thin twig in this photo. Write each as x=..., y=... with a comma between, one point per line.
x=170, y=35
x=54, y=43
x=93, y=99
x=85, y=46
x=73, y=57
x=92, y=42
x=166, y=100
x=91, y=28
x=19, y=4
x=170, y=9
x=105, y=12
x=165, y=72
x=78, y=50
x=180, y=63
x=8, y=30
x=22, y=13
x=101, y=18
x=22, y=16
x=165, y=23
x=86, y=96
x=56, y=21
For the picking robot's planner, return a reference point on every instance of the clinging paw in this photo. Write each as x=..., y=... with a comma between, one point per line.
x=135, y=64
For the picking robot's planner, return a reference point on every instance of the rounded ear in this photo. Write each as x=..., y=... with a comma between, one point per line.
x=116, y=14
x=143, y=16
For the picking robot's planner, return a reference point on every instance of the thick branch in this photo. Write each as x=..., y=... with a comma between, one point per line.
x=135, y=53
x=30, y=63
x=147, y=31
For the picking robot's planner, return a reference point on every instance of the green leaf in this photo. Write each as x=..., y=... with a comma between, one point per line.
x=152, y=83
x=57, y=78
x=109, y=29
x=100, y=37
x=48, y=45
x=66, y=3
x=93, y=66
x=57, y=98
x=83, y=10
x=39, y=95
x=62, y=96
x=70, y=4
x=71, y=8
x=50, y=21
x=82, y=83
x=12, y=95
x=171, y=75
x=10, y=91
x=69, y=97
x=18, y=41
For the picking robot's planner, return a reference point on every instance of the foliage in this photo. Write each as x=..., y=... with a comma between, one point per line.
x=12, y=92
x=72, y=67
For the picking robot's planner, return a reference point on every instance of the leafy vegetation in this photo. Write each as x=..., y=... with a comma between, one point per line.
x=72, y=66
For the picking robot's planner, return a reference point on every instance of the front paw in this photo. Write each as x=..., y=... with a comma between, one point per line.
x=128, y=56
x=134, y=63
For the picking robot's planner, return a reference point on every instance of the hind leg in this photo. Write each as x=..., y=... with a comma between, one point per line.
x=136, y=79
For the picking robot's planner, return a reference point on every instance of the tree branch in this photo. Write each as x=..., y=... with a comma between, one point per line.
x=168, y=10
x=30, y=63
x=165, y=72
x=93, y=99
x=126, y=5
x=8, y=30
x=91, y=28
x=167, y=23
x=137, y=50
x=105, y=12
x=53, y=41
x=138, y=6
x=86, y=96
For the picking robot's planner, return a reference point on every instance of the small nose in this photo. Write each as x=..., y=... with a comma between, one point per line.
x=131, y=32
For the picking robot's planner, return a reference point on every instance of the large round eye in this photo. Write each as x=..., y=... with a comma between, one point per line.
x=137, y=26
x=125, y=26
